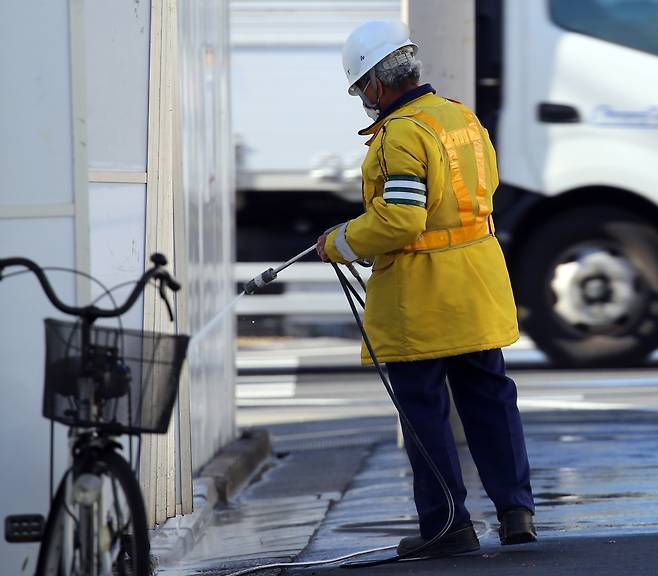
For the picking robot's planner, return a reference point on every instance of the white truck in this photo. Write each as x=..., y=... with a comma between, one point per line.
x=568, y=90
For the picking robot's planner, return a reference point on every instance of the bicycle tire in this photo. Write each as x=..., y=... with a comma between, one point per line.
x=131, y=562
x=51, y=533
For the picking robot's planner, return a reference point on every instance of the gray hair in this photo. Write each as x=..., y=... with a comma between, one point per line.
x=398, y=68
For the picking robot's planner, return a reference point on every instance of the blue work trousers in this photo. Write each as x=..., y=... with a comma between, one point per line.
x=485, y=399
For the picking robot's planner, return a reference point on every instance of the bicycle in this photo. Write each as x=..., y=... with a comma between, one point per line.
x=101, y=382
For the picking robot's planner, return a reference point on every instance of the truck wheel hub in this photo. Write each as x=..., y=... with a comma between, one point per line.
x=595, y=288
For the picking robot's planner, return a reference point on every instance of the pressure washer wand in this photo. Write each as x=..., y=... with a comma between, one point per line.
x=271, y=273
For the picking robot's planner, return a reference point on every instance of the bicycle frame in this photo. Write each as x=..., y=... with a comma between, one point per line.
x=92, y=508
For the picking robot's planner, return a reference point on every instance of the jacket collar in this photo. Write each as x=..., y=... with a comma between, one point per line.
x=407, y=97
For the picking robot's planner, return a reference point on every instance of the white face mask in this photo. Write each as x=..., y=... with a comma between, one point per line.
x=373, y=113
x=372, y=109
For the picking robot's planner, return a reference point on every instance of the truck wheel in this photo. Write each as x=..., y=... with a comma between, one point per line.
x=587, y=288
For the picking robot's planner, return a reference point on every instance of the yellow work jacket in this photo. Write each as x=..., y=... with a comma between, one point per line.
x=439, y=285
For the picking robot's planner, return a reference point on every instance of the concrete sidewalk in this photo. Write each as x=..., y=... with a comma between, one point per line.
x=595, y=478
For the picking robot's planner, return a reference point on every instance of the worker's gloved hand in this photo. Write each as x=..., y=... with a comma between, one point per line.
x=320, y=248
x=322, y=240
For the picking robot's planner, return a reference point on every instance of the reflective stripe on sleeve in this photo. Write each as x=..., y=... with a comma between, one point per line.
x=342, y=245
x=400, y=197
x=403, y=189
x=411, y=184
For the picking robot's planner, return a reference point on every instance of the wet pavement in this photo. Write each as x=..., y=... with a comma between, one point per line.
x=276, y=516
x=594, y=474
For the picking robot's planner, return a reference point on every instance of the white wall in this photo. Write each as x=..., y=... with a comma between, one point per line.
x=117, y=213
x=208, y=183
x=35, y=111
x=46, y=208
x=117, y=56
x=40, y=166
x=36, y=168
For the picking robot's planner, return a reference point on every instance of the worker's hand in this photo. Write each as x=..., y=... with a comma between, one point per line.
x=320, y=248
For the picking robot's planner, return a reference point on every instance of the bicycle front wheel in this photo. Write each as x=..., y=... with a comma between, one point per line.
x=97, y=523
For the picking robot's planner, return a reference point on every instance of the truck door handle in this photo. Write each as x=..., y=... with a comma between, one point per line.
x=557, y=113
x=489, y=82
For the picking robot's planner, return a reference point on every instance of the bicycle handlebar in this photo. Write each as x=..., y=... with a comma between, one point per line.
x=92, y=312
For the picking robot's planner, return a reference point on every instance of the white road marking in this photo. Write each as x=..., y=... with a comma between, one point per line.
x=603, y=383
x=267, y=362
x=555, y=403
x=291, y=402
x=265, y=390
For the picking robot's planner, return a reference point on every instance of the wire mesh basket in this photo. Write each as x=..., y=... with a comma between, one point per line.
x=124, y=382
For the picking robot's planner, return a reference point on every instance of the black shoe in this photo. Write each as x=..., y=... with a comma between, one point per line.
x=516, y=527
x=458, y=540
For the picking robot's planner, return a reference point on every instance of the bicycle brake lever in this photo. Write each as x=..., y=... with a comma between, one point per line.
x=172, y=284
x=163, y=295
x=165, y=278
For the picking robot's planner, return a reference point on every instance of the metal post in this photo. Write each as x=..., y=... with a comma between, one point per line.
x=77, y=52
x=445, y=33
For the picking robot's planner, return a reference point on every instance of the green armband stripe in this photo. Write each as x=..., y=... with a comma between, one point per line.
x=406, y=201
x=405, y=177
x=403, y=189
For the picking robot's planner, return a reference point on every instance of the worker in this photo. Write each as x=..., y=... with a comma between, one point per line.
x=439, y=302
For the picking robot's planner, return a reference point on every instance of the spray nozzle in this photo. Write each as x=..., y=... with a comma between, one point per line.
x=259, y=281
x=270, y=274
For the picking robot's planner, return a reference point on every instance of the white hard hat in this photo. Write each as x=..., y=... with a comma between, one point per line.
x=370, y=43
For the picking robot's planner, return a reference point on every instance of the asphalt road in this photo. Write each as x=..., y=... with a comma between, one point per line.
x=592, y=452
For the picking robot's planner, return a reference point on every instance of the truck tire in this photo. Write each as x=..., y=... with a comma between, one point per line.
x=587, y=288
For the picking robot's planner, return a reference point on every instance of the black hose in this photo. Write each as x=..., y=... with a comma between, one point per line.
x=52, y=464
x=348, y=289
x=352, y=289
x=351, y=294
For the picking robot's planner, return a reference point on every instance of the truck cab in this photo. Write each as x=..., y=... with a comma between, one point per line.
x=570, y=92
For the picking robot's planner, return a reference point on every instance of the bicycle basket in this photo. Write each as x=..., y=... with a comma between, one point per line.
x=128, y=383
